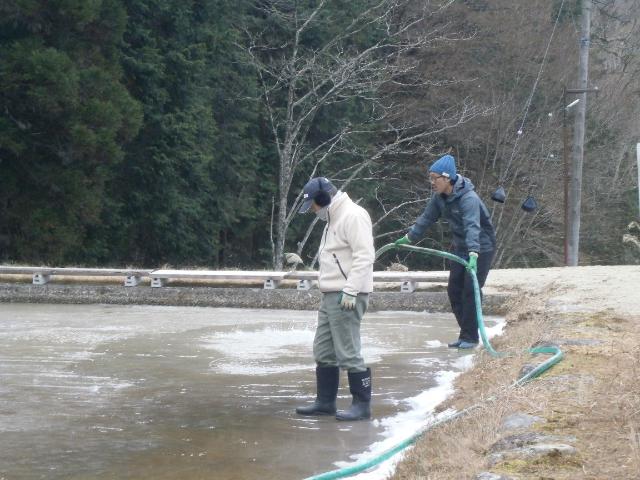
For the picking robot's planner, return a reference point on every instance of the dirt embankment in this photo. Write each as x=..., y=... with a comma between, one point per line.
x=579, y=420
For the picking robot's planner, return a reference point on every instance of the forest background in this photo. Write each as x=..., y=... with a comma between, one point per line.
x=180, y=132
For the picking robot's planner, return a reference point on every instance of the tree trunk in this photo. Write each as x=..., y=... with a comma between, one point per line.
x=284, y=185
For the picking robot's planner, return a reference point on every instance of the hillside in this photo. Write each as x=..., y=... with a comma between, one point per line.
x=580, y=419
x=146, y=132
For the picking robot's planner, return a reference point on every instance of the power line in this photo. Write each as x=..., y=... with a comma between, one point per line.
x=535, y=86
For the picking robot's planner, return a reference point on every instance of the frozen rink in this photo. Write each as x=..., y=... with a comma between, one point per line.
x=109, y=391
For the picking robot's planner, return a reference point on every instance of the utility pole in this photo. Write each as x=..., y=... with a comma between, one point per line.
x=565, y=158
x=575, y=183
x=565, y=172
x=638, y=160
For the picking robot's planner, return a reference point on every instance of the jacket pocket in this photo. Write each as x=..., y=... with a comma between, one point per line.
x=339, y=266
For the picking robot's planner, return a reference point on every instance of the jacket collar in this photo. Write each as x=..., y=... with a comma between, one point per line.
x=338, y=202
x=461, y=186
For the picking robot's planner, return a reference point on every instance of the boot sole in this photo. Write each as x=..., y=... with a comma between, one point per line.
x=315, y=414
x=342, y=419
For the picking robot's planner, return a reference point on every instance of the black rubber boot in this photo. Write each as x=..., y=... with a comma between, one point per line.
x=327, y=379
x=360, y=387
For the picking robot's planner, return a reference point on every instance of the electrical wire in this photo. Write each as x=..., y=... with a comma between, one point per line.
x=533, y=90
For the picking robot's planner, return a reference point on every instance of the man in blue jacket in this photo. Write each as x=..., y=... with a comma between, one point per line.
x=455, y=200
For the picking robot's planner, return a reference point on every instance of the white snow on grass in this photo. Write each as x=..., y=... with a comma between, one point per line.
x=496, y=329
x=404, y=425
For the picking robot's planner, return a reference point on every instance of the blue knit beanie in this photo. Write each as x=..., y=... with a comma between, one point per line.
x=445, y=166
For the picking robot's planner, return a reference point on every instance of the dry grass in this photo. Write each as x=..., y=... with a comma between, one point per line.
x=593, y=395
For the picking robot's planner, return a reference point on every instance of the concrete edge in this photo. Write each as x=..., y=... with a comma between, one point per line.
x=285, y=299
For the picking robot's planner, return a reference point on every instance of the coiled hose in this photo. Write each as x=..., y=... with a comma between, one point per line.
x=535, y=372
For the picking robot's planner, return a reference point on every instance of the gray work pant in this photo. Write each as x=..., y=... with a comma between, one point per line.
x=337, y=340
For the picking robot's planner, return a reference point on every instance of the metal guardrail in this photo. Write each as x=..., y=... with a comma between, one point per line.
x=43, y=275
x=270, y=279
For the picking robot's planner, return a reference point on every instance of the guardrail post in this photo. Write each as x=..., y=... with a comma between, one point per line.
x=41, y=278
x=271, y=284
x=408, y=287
x=131, y=281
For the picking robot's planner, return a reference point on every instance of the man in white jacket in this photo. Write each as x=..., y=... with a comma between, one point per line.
x=346, y=257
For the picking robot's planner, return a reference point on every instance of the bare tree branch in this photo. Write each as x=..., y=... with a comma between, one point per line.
x=300, y=79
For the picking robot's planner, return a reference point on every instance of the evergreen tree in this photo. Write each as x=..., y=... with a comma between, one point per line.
x=187, y=188
x=64, y=116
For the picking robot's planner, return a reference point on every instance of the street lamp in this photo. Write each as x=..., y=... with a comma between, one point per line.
x=565, y=143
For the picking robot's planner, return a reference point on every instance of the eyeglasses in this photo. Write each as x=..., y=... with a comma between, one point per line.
x=433, y=179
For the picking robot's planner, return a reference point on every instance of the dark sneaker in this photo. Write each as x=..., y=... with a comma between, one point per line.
x=455, y=344
x=467, y=345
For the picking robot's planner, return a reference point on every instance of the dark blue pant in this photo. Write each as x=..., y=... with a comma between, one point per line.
x=461, y=295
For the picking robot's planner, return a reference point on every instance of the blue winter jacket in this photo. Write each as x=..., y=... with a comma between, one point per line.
x=468, y=219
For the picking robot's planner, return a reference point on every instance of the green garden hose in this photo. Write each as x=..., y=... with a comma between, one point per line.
x=537, y=371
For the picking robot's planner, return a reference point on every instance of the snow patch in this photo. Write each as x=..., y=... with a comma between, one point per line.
x=405, y=425
x=251, y=352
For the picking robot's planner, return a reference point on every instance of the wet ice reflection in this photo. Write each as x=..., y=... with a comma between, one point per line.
x=170, y=392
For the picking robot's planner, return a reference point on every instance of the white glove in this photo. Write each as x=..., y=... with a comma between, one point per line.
x=347, y=301
x=473, y=262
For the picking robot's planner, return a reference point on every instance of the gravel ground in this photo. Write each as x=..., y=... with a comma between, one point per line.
x=615, y=288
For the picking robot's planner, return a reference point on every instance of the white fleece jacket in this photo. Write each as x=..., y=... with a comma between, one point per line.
x=346, y=252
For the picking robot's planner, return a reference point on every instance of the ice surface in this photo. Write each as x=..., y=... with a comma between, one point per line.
x=177, y=392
